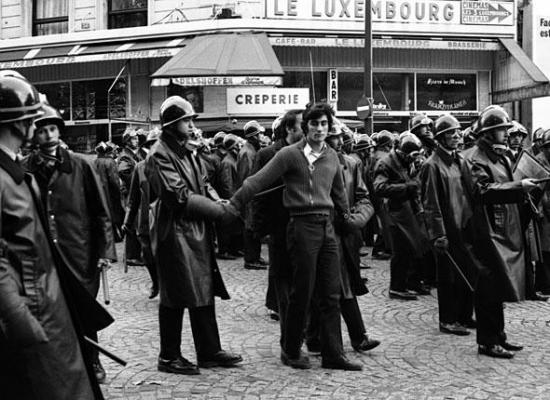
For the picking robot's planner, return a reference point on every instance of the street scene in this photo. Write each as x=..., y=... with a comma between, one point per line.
x=274, y=199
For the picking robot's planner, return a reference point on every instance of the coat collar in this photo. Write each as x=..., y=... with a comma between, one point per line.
x=447, y=158
x=36, y=161
x=11, y=167
x=173, y=144
x=486, y=148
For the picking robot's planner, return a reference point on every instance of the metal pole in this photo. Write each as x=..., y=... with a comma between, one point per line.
x=367, y=81
x=109, y=99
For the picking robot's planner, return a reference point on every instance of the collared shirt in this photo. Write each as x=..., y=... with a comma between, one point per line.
x=9, y=152
x=311, y=155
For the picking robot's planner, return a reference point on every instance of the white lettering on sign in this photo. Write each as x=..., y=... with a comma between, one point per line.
x=228, y=80
x=265, y=101
x=487, y=13
x=333, y=86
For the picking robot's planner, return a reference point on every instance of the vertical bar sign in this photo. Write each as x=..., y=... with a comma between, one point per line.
x=333, y=86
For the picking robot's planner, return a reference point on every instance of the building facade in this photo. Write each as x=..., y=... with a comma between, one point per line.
x=105, y=63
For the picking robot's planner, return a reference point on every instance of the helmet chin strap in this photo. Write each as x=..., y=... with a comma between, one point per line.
x=498, y=148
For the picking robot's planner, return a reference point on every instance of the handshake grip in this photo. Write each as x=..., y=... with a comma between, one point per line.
x=201, y=207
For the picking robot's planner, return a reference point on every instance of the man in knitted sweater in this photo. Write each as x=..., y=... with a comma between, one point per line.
x=313, y=190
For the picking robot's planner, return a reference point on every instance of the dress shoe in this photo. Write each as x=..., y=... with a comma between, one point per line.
x=262, y=261
x=382, y=255
x=154, y=291
x=274, y=316
x=221, y=359
x=226, y=256
x=302, y=362
x=469, y=323
x=453, y=329
x=179, y=365
x=421, y=290
x=342, y=363
x=254, y=266
x=363, y=251
x=366, y=344
x=511, y=347
x=397, y=294
x=313, y=347
x=99, y=372
x=494, y=351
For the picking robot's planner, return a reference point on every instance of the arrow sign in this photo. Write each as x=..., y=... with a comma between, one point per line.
x=486, y=13
x=497, y=12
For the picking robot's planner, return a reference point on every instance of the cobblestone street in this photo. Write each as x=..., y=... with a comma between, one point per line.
x=414, y=361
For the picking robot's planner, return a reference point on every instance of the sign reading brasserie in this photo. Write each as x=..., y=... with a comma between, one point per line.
x=397, y=15
x=265, y=101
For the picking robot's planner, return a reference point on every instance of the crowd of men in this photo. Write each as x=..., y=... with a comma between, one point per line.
x=463, y=210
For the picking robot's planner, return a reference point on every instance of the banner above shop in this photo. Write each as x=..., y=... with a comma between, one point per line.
x=265, y=101
x=446, y=17
x=224, y=81
x=385, y=43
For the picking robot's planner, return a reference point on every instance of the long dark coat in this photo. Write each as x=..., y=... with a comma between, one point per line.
x=448, y=211
x=41, y=303
x=108, y=175
x=182, y=245
x=79, y=220
x=499, y=243
x=544, y=208
x=351, y=239
x=401, y=206
x=127, y=161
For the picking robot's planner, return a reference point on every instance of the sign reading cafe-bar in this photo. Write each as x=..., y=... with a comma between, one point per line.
x=265, y=101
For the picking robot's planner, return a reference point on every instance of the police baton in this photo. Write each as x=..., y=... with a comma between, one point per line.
x=96, y=346
x=105, y=282
x=459, y=271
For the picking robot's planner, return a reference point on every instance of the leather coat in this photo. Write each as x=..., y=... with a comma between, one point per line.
x=42, y=305
x=544, y=209
x=245, y=162
x=183, y=245
x=127, y=161
x=499, y=241
x=229, y=180
x=108, y=175
x=401, y=203
x=78, y=216
x=138, y=201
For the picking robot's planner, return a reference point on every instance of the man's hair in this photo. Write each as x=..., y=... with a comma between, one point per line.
x=288, y=121
x=316, y=111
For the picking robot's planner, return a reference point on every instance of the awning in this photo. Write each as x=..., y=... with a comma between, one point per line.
x=89, y=52
x=516, y=77
x=238, y=59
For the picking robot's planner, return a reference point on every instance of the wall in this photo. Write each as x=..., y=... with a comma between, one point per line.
x=10, y=19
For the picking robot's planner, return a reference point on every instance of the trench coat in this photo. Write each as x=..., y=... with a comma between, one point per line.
x=544, y=209
x=79, y=221
x=448, y=211
x=351, y=239
x=41, y=303
x=127, y=161
x=377, y=202
x=183, y=245
x=108, y=175
x=499, y=241
x=401, y=204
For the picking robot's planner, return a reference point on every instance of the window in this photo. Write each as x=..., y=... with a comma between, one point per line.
x=59, y=97
x=446, y=92
x=89, y=99
x=193, y=94
x=302, y=79
x=127, y=13
x=50, y=17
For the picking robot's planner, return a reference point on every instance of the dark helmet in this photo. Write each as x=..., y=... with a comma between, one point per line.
x=19, y=100
x=218, y=139
x=363, y=142
x=420, y=120
x=128, y=134
x=175, y=108
x=230, y=141
x=517, y=128
x=409, y=143
x=12, y=73
x=152, y=136
x=445, y=123
x=50, y=117
x=537, y=134
x=469, y=137
x=493, y=117
x=252, y=128
x=545, y=138
x=383, y=138
x=104, y=148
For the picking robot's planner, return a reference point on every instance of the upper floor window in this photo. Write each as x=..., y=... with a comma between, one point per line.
x=50, y=17
x=127, y=13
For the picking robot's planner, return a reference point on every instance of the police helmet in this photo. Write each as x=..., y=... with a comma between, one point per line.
x=445, y=123
x=517, y=128
x=420, y=120
x=409, y=143
x=19, y=100
x=175, y=108
x=50, y=117
x=493, y=117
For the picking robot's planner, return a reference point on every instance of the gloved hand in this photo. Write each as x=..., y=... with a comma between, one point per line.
x=528, y=185
x=230, y=212
x=441, y=244
x=412, y=188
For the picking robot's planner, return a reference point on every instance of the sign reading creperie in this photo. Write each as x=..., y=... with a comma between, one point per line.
x=265, y=101
x=402, y=13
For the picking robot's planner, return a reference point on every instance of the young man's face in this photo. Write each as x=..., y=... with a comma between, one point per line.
x=47, y=135
x=317, y=129
x=515, y=141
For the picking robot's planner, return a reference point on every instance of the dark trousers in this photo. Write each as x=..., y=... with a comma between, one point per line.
x=203, y=326
x=230, y=237
x=252, y=246
x=132, y=246
x=401, y=263
x=489, y=311
x=313, y=252
x=542, y=274
x=455, y=300
x=148, y=258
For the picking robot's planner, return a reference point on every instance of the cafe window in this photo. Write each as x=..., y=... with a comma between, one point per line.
x=127, y=13
x=50, y=17
x=391, y=91
x=303, y=79
x=446, y=92
x=89, y=99
x=59, y=96
x=193, y=94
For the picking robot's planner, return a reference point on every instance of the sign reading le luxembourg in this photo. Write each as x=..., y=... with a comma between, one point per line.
x=269, y=101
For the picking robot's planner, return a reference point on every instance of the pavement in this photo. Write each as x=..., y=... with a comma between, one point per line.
x=414, y=361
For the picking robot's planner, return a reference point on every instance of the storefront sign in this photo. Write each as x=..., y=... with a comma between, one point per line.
x=265, y=101
x=228, y=81
x=385, y=43
x=332, y=85
x=441, y=16
x=446, y=92
x=123, y=55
